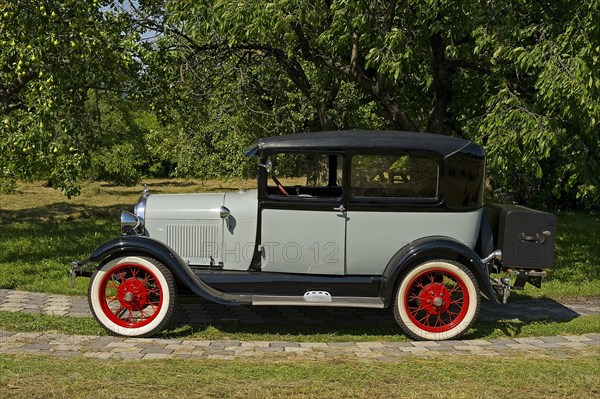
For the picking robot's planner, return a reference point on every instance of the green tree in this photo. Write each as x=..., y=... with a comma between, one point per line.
x=521, y=78
x=541, y=126
x=51, y=54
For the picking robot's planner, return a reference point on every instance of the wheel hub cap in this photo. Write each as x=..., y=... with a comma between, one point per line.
x=132, y=294
x=435, y=298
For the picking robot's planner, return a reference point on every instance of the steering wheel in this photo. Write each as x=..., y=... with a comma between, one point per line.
x=279, y=186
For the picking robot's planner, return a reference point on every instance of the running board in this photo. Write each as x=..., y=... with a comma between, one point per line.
x=308, y=300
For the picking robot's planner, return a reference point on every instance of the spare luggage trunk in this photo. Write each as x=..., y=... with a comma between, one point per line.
x=525, y=236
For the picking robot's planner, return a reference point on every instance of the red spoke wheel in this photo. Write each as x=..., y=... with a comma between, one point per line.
x=437, y=300
x=132, y=296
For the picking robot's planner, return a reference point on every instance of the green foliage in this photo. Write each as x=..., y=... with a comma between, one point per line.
x=7, y=186
x=51, y=53
x=522, y=79
x=118, y=164
x=210, y=76
x=541, y=124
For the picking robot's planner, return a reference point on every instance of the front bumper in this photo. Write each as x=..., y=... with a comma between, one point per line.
x=80, y=269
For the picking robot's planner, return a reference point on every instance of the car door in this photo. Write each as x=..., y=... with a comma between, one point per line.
x=303, y=223
x=395, y=199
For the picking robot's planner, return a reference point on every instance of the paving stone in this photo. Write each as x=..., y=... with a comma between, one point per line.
x=547, y=345
x=12, y=308
x=176, y=355
x=196, y=313
x=100, y=343
x=284, y=344
x=197, y=343
x=341, y=344
x=554, y=339
x=577, y=338
x=528, y=340
x=40, y=346
x=398, y=344
x=295, y=349
x=312, y=344
x=117, y=344
x=572, y=344
x=26, y=336
x=157, y=351
x=426, y=344
x=521, y=346
x=155, y=356
x=478, y=342
x=98, y=355
x=416, y=349
x=128, y=356
x=442, y=349
x=163, y=341
x=126, y=350
x=268, y=349
x=369, y=345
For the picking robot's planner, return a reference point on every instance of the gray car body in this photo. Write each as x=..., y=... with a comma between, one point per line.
x=231, y=247
x=357, y=243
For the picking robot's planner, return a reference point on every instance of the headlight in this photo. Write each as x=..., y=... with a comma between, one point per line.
x=140, y=207
x=131, y=224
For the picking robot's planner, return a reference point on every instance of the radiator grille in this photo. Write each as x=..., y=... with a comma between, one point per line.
x=194, y=241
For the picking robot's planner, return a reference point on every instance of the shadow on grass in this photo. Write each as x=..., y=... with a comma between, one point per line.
x=59, y=212
x=496, y=321
x=59, y=232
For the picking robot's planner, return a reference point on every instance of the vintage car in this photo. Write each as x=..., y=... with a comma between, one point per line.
x=371, y=219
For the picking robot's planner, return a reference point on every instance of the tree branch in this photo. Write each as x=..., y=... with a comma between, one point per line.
x=443, y=79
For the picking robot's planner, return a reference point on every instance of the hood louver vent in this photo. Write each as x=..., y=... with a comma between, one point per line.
x=194, y=242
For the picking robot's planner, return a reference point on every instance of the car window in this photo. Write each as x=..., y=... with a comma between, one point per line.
x=399, y=176
x=305, y=175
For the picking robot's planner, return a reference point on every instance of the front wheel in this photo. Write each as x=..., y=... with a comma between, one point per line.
x=132, y=296
x=437, y=300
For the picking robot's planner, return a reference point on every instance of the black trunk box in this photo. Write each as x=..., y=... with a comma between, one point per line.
x=525, y=236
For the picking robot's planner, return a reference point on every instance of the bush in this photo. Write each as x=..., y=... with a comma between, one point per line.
x=118, y=165
x=7, y=185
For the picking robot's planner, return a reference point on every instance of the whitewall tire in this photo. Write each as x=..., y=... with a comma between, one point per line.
x=437, y=300
x=132, y=296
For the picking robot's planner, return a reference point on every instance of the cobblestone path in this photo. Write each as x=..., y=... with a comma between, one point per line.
x=202, y=314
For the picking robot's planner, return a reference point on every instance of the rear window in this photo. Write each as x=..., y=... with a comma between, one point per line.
x=394, y=176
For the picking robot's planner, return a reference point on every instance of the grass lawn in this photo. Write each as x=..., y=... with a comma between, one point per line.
x=41, y=232
x=459, y=377
x=313, y=332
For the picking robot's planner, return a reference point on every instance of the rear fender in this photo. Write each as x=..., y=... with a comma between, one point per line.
x=145, y=246
x=435, y=248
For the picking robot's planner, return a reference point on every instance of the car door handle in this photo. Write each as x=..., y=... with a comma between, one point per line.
x=340, y=208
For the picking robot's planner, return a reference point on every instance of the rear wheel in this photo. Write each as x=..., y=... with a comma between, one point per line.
x=437, y=300
x=132, y=296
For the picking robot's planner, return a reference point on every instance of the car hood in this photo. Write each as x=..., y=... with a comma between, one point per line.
x=204, y=206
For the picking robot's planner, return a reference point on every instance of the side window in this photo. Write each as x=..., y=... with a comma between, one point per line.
x=305, y=175
x=397, y=176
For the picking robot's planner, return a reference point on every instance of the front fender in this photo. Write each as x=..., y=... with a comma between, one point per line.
x=146, y=246
x=433, y=248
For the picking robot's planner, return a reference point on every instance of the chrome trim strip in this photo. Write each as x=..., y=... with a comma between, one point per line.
x=350, y=302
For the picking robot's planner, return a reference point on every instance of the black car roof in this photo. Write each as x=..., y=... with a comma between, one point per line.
x=335, y=141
